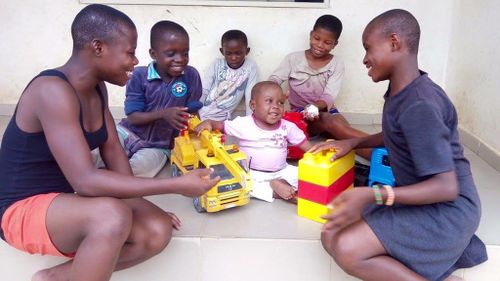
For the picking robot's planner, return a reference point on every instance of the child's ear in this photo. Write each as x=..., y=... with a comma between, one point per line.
x=221, y=51
x=395, y=41
x=248, y=51
x=97, y=47
x=152, y=54
x=252, y=105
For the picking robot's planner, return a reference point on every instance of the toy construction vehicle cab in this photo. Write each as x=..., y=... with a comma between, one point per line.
x=208, y=150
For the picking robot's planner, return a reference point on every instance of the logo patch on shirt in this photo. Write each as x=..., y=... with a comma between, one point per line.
x=179, y=89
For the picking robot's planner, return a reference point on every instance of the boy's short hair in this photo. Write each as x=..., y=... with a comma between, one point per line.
x=256, y=90
x=163, y=27
x=330, y=23
x=97, y=21
x=401, y=22
x=234, y=34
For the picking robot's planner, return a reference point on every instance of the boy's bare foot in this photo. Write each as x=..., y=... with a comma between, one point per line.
x=283, y=190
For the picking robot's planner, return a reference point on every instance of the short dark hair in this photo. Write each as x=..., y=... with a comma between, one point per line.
x=98, y=21
x=330, y=23
x=165, y=26
x=256, y=90
x=234, y=34
x=401, y=22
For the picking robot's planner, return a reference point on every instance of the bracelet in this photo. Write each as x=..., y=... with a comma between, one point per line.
x=378, y=195
x=390, y=195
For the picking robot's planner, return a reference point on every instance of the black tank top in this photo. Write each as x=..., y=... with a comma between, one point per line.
x=27, y=167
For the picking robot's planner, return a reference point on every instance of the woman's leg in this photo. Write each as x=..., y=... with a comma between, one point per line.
x=357, y=250
x=107, y=234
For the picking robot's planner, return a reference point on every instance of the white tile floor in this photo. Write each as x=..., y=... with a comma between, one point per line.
x=260, y=241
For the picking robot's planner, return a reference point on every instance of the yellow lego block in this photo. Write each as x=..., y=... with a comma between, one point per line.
x=312, y=210
x=318, y=169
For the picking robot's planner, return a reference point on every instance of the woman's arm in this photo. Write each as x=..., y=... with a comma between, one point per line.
x=112, y=152
x=58, y=115
x=342, y=147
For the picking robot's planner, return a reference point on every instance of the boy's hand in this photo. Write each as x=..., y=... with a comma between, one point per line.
x=176, y=116
x=205, y=125
x=347, y=207
x=196, y=182
x=341, y=147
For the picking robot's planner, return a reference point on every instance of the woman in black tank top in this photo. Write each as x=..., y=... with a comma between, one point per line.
x=61, y=116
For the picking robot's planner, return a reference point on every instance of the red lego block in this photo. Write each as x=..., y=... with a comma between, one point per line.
x=323, y=195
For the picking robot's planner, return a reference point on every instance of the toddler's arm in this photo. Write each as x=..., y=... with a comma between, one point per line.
x=209, y=125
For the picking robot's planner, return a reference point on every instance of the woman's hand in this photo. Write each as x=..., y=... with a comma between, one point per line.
x=196, y=182
x=341, y=147
x=347, y=207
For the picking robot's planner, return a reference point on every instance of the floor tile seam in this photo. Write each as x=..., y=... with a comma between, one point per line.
x=245, y=238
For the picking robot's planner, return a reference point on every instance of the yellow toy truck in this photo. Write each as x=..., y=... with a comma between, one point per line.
x=208, y=150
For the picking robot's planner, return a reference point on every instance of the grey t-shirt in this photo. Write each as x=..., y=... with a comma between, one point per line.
x=420, y=131
x=224, y=87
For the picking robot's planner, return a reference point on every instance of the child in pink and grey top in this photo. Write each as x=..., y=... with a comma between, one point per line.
x=264, y=137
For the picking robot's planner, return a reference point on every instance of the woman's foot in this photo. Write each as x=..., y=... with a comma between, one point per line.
x=283, y=190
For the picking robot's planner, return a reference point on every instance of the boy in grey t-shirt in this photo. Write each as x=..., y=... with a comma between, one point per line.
x=229, y=79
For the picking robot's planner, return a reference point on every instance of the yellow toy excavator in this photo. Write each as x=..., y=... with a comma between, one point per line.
x=207, y=150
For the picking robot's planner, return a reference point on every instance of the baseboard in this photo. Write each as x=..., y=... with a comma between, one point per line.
x=479, y=147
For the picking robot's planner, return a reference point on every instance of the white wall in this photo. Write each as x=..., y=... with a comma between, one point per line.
x=473, y=76
x=38, y=36
x=35, y=35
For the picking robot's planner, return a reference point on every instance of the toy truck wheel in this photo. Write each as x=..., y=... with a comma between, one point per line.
x=175, y=171
x=197, y=205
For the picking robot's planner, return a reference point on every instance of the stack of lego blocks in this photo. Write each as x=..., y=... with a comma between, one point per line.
x=321, y=180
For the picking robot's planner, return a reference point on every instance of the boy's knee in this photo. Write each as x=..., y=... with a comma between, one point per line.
x=111, y=217
x=148, y=162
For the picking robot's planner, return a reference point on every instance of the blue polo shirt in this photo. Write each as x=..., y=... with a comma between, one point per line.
x=147, y=92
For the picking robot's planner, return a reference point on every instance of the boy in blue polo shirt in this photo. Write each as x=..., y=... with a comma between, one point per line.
x=156, y=99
